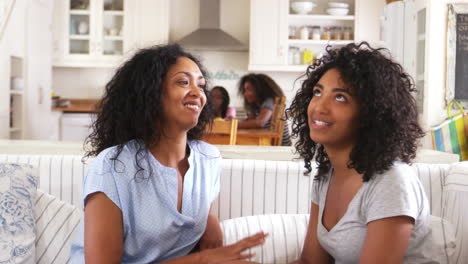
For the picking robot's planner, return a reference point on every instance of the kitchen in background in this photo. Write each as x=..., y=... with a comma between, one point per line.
x=90, y=38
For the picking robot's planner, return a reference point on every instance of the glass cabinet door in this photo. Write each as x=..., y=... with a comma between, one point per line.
x=111, y=38
x=79, y=31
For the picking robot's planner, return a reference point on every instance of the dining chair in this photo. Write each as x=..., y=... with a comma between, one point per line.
x=277, y=122
x=222, y=132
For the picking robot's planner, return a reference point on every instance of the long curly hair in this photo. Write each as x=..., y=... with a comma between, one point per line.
x=226, y=99
x=131, y=108
x=388, y=129
x=264, y=88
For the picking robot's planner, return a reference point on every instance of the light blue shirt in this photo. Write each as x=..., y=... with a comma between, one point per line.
x=154, y=231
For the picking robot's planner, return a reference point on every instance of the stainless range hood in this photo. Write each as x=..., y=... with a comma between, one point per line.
x=210, y=36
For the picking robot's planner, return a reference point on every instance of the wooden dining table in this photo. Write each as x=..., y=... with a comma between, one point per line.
x=258, y=137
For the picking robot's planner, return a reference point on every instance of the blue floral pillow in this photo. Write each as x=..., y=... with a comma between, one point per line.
x=18, y=183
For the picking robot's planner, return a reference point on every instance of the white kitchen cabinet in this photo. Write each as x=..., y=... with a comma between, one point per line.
x=101, y=33
x=268, y=34
x=271, y=44
x=76, y=127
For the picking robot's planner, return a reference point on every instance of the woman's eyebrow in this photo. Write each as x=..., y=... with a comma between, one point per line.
x=189, y=74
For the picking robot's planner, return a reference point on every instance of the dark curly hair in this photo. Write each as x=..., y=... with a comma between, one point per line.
x=388, y=129
x=226, y=99
x=131, y=106
x=264, y=88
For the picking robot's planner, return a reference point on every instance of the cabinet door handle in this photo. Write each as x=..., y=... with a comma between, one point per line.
x=280, y=51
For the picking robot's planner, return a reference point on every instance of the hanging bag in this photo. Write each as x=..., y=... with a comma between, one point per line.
x=451, y=135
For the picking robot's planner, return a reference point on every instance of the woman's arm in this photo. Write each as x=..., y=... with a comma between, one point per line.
x=259, y=122
x=103, y=237
x=313, y=251
x=387, y=240
x=103, y=230
x=213, y=236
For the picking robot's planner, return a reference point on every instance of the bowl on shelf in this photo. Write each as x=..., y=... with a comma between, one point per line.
x=335, y=11
x=302, y=7
x=338, y=5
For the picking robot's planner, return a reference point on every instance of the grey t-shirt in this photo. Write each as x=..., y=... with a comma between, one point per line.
x=396, y=192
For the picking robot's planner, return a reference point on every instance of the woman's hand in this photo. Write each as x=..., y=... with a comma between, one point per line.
x=213, y=236
x=233, y=253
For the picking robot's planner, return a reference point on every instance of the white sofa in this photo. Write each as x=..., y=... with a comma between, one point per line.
x=275, y=192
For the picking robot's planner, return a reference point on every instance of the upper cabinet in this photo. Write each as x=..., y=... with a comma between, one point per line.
x=100, y=33
x=287, y=35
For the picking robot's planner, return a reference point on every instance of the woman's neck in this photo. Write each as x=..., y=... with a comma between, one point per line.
x=170, y=151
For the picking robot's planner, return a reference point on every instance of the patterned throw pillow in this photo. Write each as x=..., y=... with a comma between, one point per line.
x=18, y=184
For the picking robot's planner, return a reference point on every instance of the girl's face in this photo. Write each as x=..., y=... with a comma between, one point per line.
x=216, y=99
x=333, y=112
x=183, y=96
x=249, y=93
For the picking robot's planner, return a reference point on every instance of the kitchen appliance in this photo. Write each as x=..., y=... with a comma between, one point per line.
x=210, y=36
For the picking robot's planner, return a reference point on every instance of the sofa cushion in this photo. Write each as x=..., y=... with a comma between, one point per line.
x=286, y=235
x=57, y=222
x=443, y=235
x=17, y=227
x=455, y=207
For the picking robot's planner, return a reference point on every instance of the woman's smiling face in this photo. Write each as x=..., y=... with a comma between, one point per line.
x=333, y=112
x=183, y=94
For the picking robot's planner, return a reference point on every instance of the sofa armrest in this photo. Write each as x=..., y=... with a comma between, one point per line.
x=286, y=235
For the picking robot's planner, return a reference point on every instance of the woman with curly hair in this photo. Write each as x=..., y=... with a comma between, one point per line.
x=220, y=100
x=148, y=193
x=259, y=92
x=361, y=127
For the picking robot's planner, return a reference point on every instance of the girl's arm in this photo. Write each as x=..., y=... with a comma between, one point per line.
x=259, y=122
x=313, y=251
x=387, y=240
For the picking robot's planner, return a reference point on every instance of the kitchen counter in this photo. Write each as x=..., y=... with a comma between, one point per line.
x=78, y=106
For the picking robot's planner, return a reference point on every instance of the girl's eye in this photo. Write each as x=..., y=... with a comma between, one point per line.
x=316, y=92
x=202, y=86
x=341, y=98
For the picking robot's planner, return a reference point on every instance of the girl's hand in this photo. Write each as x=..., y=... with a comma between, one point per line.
x=213, y=236
x=233, y=253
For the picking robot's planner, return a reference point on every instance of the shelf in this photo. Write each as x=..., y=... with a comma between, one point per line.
x=320, y=17
x=114, y=13
x=80, y=12
x=79, y=37
x=113, y=38
x=318, y=42
x=16, y=92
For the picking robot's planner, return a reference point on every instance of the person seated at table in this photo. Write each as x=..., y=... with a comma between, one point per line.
x=148, y=193
x=357, y=122
x=259, y=92
x=220, y=102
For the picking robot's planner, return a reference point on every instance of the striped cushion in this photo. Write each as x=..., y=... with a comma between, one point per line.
x=252, y=187
x=57, y=222
x=455, y=207
x=286, y=235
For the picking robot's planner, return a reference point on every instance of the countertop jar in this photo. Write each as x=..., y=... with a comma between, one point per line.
x=347, y=33
x=315, y=35
x=304, y=32
x=292, y=32
x=326, y=34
